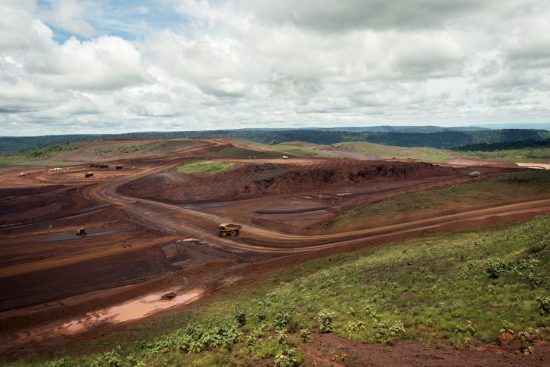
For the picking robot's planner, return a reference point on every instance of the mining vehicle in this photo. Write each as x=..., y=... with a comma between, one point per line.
x=474, y=174
x=119, y=167
x=229, y=229
x=88, y=174
x=81, y=232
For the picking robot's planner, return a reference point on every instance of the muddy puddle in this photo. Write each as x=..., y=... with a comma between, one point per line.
x=72, y=236
x=124, y=312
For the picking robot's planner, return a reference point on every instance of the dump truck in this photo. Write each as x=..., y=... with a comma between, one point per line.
x=81, y=232
x=88, y=174
x=229, y=229
x=474, y=174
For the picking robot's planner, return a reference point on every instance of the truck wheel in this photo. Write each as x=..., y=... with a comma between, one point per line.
x=222, y=234
x=233, y=233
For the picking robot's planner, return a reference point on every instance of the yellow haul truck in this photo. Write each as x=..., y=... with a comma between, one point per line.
x=229, y=229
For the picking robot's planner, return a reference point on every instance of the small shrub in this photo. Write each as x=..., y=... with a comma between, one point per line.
x=355, y=325
x=262, y=315
x=494, y=269
x=240, y=318
x=325, y=318
x=61, y=362
x=135, y=361
x=305, y=335
x=543, y=305
x=527, y=339
x=281, y=337
x=397, y=329
x=108, y=359
x=285, y=320
x=286, y=358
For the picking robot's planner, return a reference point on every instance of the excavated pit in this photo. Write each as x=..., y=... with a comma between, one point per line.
x=250, y=181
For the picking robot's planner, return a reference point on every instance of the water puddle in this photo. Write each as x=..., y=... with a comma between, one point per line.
x=72, y=236
x=535, y=165
x=128, y=311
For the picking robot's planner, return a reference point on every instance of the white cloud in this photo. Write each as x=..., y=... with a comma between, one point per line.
x=242, y=63
x=68, y=15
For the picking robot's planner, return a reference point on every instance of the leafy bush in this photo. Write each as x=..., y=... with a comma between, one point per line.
x=61, y=362
x=543, y=305
x=108, y=359
x=240, y=318
x=325, y=318
x=523, y=266
x=494, y=269
x=305, y=335
x=286, y=358
x=284, y=319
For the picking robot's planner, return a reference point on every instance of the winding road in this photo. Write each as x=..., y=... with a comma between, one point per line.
x=259, y=240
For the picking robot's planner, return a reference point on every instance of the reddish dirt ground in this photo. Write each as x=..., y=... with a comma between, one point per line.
x=151, y=230
x=331, y=350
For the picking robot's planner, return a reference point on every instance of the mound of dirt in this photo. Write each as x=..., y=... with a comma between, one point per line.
x=256, y=180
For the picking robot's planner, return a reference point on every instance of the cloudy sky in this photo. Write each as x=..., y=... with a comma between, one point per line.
x=79, y=66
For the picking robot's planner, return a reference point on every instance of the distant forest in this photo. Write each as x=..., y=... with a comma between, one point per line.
x=491, y=147
x=406, y=136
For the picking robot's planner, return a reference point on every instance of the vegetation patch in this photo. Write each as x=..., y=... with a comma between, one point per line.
x=530, y=184
x=458, y=289
x=234, y=152
x=38, y=153
x=541, y=155
x=386, y=151
x=204, y=168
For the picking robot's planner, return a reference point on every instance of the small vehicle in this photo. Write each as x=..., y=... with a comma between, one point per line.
x=229, y=229
x=119, y=167
x=81, y=232
x=88, y=174
x=474, y=174
x=285, y=156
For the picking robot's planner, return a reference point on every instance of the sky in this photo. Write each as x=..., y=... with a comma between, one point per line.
x=83, y=66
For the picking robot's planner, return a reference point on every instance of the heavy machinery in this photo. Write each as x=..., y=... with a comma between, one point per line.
x=88, y=174
x=229, y=229
x=81, y=232
x=474, y=174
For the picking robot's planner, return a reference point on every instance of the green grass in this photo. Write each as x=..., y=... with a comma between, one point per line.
x=387, y=151
x=448, y=289
x=541, y=155
x=234, y=152
x=146, y=147
x=204, y=168
x=37, y=154
x=530, y=184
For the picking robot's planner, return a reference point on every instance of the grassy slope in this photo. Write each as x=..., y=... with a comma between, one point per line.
x=531, y=184
x=387, y=151
x=37, y=154
x=84, y=152
x=204, y=168
x=453, y=289
x=240, y=153
x=537, y=155
x=541, y=155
